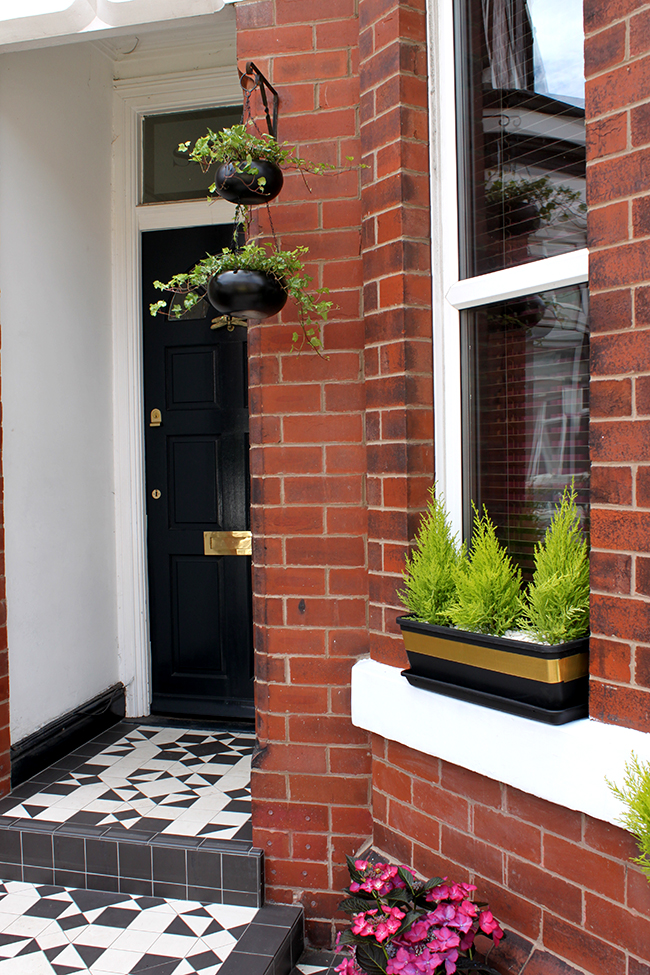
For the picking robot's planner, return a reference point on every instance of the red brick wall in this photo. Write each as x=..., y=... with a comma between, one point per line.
x=308, y=463
x=617, y=58
x=397, y=280
x=341, y=454
x=559, y=881
x=318, y=521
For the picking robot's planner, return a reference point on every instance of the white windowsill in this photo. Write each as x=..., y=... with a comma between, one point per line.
x=566, y=765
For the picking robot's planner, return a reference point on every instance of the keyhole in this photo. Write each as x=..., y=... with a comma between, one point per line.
x=155, y=494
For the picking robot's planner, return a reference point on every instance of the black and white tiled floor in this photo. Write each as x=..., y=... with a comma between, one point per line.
x=47, y=930
x=317, y=963
x=160, y=780
x=133, y=855
x=143, y=810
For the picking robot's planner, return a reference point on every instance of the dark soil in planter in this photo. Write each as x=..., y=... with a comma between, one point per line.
x=247, y=294
x=548, y=684
x=244, y=188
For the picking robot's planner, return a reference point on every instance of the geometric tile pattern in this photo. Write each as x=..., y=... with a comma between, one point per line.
x=317, y=963
x=170, y=781
x=47, y=929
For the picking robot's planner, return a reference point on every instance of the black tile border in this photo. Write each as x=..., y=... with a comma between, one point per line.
x=220, y=872
x=51, y=745
x=270, y=946
x=321, y=958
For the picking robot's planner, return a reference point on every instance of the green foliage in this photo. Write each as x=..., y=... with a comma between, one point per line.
x=285, y=266
x=547, y=197
x=556, y=609
x=429, y=581
x=238, y=146
x=487, y=584
x=635, y=793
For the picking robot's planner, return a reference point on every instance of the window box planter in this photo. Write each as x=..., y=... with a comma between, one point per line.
x=545, y=683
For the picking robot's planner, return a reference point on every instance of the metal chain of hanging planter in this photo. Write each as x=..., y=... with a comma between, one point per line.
x=253, y=80
x=252, y=281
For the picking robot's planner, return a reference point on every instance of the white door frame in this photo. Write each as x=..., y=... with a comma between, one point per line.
x=133, y=100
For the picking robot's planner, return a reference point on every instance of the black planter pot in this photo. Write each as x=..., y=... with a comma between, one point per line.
x=246, y=294
x=548, y=684
x=527, y=311
x=244, y=188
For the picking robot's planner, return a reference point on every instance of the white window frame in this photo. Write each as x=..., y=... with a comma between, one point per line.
x=450, y=293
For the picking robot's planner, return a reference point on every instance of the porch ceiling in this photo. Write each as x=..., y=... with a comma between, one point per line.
x=40, y=22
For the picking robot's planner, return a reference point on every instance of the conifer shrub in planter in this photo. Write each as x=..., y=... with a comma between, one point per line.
x=474, y=633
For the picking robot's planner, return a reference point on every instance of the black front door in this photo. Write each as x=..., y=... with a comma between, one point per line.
x=196, y=483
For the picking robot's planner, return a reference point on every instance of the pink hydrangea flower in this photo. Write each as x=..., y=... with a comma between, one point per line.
x=489, y=925
x=435, y=940
x=348, y=967
x=446, y=939
x=408, y=962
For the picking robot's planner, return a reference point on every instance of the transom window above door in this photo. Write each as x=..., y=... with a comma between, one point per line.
x=167, y=174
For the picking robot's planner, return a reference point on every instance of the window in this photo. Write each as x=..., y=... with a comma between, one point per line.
x=167, y=174
x=511, y=336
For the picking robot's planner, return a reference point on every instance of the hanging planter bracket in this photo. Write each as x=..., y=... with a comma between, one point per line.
x=253, y=78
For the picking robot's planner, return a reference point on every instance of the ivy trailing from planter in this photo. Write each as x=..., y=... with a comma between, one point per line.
x=281, y=268
x=248, y=167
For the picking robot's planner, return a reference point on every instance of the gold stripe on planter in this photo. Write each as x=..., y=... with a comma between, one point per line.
x=500, y=661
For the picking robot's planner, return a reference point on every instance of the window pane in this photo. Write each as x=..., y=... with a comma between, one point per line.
x=521, y=133
x=168, y=175
x=526, y=385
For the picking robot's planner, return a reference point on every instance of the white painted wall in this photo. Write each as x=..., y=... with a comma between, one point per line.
x=55, y=307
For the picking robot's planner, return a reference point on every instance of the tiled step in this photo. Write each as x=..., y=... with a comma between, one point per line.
x=52, y=930
x=144, y=810
x=313, y=962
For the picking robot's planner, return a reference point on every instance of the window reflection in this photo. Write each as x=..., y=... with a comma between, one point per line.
x=526, y=395
x=521, y=131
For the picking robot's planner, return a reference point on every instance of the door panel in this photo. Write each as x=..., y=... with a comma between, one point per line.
x=197, y=459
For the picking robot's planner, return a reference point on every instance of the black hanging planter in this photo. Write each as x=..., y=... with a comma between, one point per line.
x=244, y=188
x=246, y=294
x=526, y=311
x=548, y=684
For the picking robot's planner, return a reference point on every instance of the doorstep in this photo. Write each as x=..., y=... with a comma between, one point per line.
x=134, y=854
x=145, y=810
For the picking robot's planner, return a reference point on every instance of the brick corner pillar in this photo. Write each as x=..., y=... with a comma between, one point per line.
x=617, y=66
x=311, y=780
x=397, y=296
